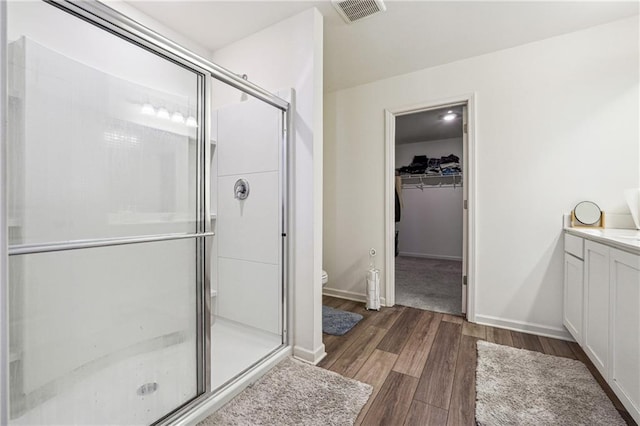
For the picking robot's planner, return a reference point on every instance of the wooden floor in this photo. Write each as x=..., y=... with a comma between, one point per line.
x=422, y=364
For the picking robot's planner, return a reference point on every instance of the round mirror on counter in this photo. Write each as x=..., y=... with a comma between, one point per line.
x=587, y=212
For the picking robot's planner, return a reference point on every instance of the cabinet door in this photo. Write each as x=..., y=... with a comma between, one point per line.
x=625, y=329
x=596, y=305
x=573, y=296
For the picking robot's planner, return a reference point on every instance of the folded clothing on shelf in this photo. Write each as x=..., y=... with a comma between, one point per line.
x=419, y=160
x=451, y=171
x=433, y=168
x=417, y=166
x=421, y=164
x=449, y=159
x=450, y=165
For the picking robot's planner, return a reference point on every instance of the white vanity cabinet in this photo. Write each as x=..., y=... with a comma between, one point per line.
x=624, y=355
x=573, y=302
x=601, y=310
x=596, y=305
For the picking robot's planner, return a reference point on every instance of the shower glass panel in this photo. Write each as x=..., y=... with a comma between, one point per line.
x=91, y=328
x=247, y=258
x=107, y=133
x=105, y=205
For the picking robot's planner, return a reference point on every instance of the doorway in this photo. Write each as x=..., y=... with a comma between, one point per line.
x=429, y=177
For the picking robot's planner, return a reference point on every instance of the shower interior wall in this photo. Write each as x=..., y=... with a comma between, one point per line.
x=248, y=231
x=288, y=55
x=246, y=273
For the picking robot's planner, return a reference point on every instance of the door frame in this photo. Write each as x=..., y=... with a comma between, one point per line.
x=4, y=259
x=469, y=181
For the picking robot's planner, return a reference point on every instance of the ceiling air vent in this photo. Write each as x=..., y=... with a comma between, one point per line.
x=354, y=10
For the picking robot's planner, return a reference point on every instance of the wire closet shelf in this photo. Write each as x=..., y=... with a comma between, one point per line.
x=427, y=181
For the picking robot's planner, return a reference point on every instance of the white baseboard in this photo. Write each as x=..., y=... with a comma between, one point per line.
x=349, y=295
x=430, y=256
x=216, y=401
x=310, y=357
x=537, y=329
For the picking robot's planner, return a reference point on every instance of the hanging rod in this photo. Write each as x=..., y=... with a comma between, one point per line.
x=430, y=176
x=422, y=186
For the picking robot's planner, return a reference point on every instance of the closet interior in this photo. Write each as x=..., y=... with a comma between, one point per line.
x=429, y=209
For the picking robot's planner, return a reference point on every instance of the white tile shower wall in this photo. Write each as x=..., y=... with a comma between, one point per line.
x=289, y=55
x=250, y=293
x=249, y=135
x=250, y=229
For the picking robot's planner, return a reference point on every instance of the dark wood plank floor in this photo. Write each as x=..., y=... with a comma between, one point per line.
x=422, y=364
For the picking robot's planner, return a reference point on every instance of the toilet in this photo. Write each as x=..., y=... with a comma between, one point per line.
x=325, y=278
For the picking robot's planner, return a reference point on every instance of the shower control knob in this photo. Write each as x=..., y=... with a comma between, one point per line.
x=241, y=189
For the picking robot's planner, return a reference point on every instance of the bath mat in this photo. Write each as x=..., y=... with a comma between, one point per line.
x=337, y=322
x=295, y=393
x=520, y=387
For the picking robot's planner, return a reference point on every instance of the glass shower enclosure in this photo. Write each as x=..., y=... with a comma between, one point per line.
x=146, y=215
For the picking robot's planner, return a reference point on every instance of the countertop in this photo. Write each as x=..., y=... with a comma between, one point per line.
x=623, y=239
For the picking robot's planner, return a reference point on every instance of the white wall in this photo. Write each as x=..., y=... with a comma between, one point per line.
x=144, y=19
x=557, y=122
x=289, y=55
x=431, y=219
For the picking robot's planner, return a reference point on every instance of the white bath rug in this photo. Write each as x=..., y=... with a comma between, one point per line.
x=295, y=393
x=520, y=387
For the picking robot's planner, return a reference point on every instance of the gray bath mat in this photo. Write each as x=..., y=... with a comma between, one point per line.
x=520, y=387
x=337, y=322
x=295, y=393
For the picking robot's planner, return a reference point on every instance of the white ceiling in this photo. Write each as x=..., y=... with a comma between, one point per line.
x=428, y=126
x=409, y=36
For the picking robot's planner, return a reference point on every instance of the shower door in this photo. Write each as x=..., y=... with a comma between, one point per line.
x=106, y=208
x=247, y=278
